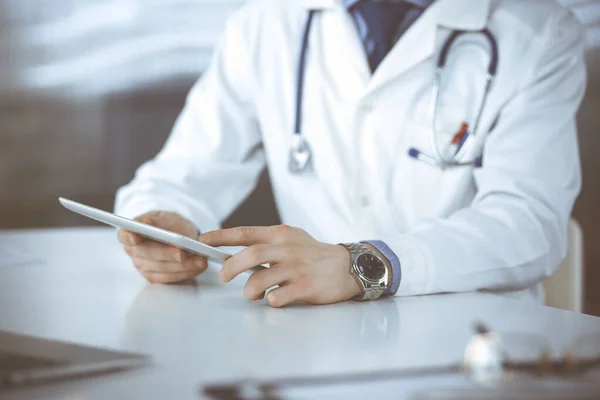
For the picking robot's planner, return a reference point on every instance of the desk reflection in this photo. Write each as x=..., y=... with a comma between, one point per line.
x=204, y=323
x=312, y=334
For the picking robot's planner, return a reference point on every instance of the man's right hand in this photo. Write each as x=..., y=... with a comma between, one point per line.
x=161, y=263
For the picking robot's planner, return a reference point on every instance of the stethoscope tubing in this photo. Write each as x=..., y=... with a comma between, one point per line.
x=299, y=144
x=301, y=73
x=438, y=158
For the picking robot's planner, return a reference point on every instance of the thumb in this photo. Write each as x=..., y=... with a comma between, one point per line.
x=170, y=221
x=152, y=218
x=164, y=220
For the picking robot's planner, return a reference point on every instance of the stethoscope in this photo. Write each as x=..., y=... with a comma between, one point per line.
x=301, y=154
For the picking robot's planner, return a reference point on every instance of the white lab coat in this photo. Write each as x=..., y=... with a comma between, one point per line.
x=501, y=227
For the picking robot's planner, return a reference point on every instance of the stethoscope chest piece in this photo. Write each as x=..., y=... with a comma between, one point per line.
x=300, y=155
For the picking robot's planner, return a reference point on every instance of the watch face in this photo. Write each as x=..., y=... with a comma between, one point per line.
x=370, y=266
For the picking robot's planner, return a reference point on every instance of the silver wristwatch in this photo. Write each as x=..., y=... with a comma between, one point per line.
x=368, y=269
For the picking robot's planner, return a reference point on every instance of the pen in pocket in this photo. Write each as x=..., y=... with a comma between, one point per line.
x=461, y=137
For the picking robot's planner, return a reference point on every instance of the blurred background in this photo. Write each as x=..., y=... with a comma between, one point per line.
x=89, y=89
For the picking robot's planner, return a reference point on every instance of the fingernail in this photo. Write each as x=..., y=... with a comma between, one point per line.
x=200, y=264
x=222, y=275
x=270, y=297
x=132, y=240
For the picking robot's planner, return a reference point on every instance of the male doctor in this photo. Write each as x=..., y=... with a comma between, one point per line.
x=408, y=227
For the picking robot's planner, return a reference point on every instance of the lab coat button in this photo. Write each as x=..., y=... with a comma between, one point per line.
x=366, y=108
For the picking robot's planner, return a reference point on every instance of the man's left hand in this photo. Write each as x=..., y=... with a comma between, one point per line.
x=303, y=268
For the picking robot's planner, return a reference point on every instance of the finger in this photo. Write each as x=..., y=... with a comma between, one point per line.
x=129, y=238
x=250, y=258
x=262, y=280
x=195, y=264
x=132, y=239
x=161, y=219
x=240, y=236
x=151, y=218
x=162, y=278
x=151, y=250
x=245, y=235
x=283, y=295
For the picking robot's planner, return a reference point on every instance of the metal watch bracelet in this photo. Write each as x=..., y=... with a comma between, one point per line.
x=372, y=291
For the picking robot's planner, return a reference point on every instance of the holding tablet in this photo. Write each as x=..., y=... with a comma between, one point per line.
x=160, y=259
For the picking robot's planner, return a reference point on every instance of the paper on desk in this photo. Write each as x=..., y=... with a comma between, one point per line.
x=450, y=387
x=11, y=256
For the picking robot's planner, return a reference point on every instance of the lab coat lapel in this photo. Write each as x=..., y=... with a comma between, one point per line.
x=319, y=4
x=419, y=42
x=339, y=48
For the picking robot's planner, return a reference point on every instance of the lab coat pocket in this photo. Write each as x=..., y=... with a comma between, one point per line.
x=448, y=127
x=426, y=191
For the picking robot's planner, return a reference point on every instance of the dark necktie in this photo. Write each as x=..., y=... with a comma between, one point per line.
x=382, y=19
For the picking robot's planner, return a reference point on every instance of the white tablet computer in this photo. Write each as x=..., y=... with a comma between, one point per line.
x=145, y=230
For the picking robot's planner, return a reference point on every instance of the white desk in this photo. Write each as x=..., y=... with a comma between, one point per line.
x=83, y=289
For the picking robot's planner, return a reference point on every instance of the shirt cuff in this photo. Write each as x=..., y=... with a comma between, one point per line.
x=396, y=272
x=418, y=271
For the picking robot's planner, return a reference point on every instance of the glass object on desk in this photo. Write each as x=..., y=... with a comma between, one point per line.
x=494, y=358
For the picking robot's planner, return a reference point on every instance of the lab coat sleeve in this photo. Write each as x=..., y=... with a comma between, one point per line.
x=514, y=234
x=212, y=159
